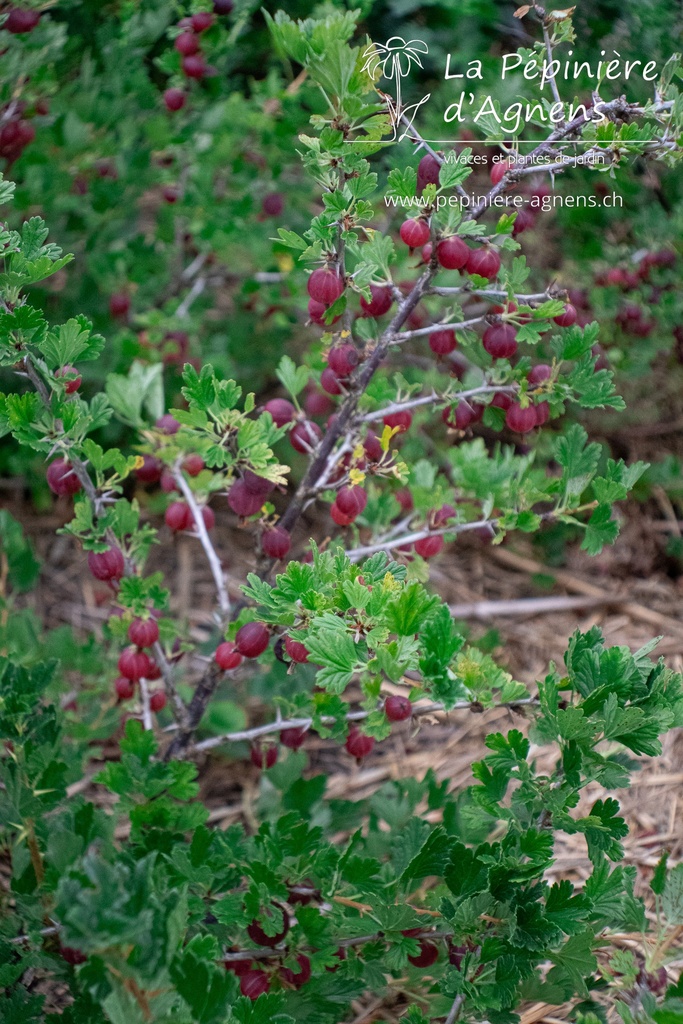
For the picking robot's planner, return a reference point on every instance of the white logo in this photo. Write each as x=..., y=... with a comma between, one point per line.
x=394, y=61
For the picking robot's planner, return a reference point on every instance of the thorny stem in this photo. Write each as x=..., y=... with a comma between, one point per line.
x=258, y=731
x=457, y=396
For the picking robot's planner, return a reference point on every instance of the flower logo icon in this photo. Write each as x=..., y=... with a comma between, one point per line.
x=394, y=61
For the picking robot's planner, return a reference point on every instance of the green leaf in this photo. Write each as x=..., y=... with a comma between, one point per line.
x=294, y=379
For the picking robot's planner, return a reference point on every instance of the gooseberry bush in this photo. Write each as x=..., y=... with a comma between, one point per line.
x=128, y=906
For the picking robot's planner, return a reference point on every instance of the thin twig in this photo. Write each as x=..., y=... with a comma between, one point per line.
x=205, y=540
x=147, y=721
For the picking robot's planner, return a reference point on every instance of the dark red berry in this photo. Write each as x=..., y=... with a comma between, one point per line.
x=300, y=977
x=257, y=934
x=499, y=169
x=358, y=744
x=238, y=967
x=427, y=172
x=257, y=484
x=193, y=465
x=453, y=253
x=282, y=411
x=20, y=20
x=330, y=382
x=428, y=955
x=339, y=517
x=227, y=656
x=223, y=6
x=405, y=499
x=465, y=414
x=567, y=318
x=276, y=542
x=168, y=424
x=201, y=21
x=72, y=956
x=107, y=565
x=293, y=738
x=428, y=547
x=119, y=305
x=72, y=378
x=397, y=709
x=252, y=639
x=539, y=373
x=351, y=501
x=61, y=478
x=442, y=342
x=380, y=303
x=263, y=756
x=273, y=204
x=415, y=233
x=317, y=311
x=208, y=517
x=167, y=481
x=194, y=66
x=296, y=650
x=343, y=359
x=520, y=420
x=501, y=400
x=484, y=262
x=542, y=413
x=125, y=688
x=186, y=43
x=178, y=516
x=143, y=632
x=174, y=99
x=134, y=664
x=157, y=701
x=373, y=448
x=254, y=984
x=150, y=471
x=500, y=341
x=399, y=420
x=304, y=437
x=325, y=285
x=242, y=501
x=523, y=222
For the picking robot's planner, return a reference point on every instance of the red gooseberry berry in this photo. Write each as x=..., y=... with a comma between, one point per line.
x=119, y=305
x=276, y=542
x=21, y=20
x=167, y=424
x=174, y=99
x=282, y=411
x=343, y=359
x=252, y=639
x=201, y=21
x=258, y=935
x=61, y=478
x=300, y=977
x=296, y=650
x=263, y=755
x=520, y=420
x=428, y=547
x=484, y=262
x=500, y=341
x=193, y=465
x=227, y=656
x=339, y=517
x=380, y=303
x=186, y=43
x=567, y=318
x=71, y=377
x=134, y=664
x=330, y=382
x=325, y=285
x=107, y=565
x=178, y=516
x=292, y=738
x=150, y=471
x=242, y=501
x=397, y=708
x=125, y=688
x=428, y=171
x=415, y=233
x=254, y=984
x=428, y=955
x=157, y=700
x=194, y=66
x=305, y=436
x=400, y=420
x=351, y=501
x=539, y=373
x=358, y=744
x=442, y=342
x=452, y=253
x=143, y=632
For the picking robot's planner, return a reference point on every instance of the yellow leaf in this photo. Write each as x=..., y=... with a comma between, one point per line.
x=561, y=15
x=522, y=11
x=284, y=261
x=356, y=477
